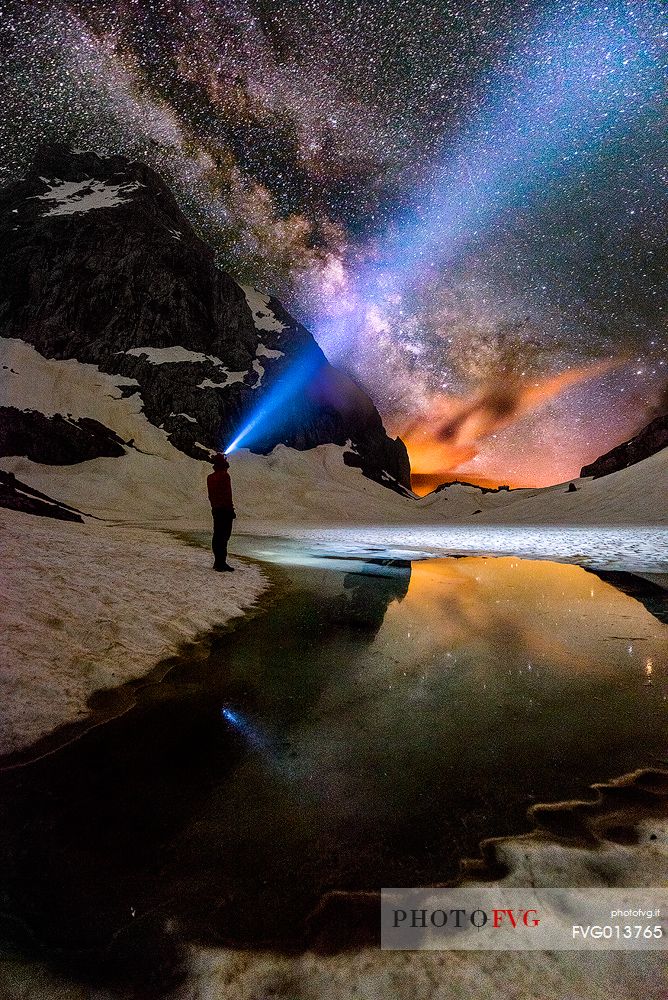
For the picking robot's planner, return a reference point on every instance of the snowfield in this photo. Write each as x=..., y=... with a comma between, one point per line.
x=173, y=356
x=263, y=317
x=288, y=490
x=631, y=549
x=89, y=607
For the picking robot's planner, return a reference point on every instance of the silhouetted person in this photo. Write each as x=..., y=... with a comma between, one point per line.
x=219, y=486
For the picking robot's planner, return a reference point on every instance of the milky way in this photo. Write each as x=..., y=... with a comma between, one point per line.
x=464, y=201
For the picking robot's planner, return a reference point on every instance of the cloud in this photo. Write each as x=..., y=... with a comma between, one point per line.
x=452, y=429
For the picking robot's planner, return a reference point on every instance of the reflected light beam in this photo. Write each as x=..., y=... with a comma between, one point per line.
x=251, y=735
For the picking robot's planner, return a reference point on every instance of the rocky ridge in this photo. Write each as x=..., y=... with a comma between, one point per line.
x=102, y=266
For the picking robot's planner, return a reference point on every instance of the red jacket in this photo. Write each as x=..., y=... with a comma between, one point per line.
x=219, y=485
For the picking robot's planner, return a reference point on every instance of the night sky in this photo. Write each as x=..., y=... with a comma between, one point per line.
x=464, y=201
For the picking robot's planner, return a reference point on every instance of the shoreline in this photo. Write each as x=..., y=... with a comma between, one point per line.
x=619, y=837
x=103, y=704
x=362, y=971
x=91, y=611
x=557, y=849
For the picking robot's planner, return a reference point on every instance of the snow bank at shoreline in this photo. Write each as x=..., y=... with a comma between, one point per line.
x=450, y=975
x=539, y=859
x=367, y=973
x=88, y=607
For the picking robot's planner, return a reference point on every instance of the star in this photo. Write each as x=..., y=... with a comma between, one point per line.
x=452, y=196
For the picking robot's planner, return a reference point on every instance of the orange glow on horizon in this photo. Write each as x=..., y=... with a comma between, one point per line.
x=453, y=429
x=425, y=482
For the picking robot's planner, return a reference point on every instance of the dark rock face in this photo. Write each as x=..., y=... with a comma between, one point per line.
x=55, y=440
x=648, y=441
x=15, y=495
x=462, y=482
x=100, y=261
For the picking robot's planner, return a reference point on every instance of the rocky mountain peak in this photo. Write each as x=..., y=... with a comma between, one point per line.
x=648, y=441
x=102, y=266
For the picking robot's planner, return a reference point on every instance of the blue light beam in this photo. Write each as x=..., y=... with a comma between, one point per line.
x=273, y=406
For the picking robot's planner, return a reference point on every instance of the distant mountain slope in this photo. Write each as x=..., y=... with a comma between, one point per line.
x=633, y=495
x=648, y=441
x=100, y=265
x=463, y=482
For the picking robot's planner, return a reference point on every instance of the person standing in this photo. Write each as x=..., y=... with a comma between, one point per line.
x=219, y=487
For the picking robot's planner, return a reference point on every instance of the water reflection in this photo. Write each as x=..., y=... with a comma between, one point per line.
x=369, y=729
x=365, y=599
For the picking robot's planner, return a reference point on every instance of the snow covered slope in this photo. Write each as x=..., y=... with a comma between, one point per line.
x=153, y=479
x=635, y=495
x=156, y=482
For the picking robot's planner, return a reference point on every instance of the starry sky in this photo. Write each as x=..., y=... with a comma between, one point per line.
x=464, y=201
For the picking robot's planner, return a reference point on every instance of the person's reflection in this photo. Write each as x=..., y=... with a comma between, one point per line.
x=367, y=595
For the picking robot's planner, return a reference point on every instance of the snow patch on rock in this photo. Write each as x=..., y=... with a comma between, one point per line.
x=173, y=356
x=263, y=317
x=229, y=379
x=185, y=416
x=259, y=371
x=263, y=352
x=75, y=197
x=267, y=352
